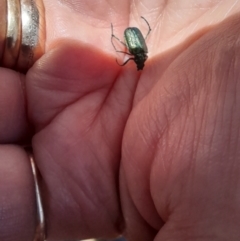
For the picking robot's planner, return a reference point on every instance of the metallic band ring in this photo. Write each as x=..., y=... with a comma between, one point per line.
x=13, y=34
x=22, y=33
x=40, y=234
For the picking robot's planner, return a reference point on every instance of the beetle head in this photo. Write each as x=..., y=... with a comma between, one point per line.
x=140, y=60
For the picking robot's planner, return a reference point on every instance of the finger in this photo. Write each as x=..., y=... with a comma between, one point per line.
x=17, y=197
x=13, y=122
x=79, y=189
x=63, y=76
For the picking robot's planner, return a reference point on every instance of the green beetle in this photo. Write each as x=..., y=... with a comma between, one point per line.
x=136, y=45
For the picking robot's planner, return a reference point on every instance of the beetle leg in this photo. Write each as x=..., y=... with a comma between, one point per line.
x=123, y=52
x=113, y=44
x=113, y=36
x=149, y=28
x=125, y=61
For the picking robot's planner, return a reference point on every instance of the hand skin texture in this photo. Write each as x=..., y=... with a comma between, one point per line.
x=155, y=154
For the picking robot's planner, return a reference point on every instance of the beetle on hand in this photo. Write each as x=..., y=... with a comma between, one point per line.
x=136, y=45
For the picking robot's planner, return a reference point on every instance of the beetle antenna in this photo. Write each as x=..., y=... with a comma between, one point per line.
x=149, y=28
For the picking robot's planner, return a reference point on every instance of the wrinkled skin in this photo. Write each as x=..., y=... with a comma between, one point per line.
x=154, y=155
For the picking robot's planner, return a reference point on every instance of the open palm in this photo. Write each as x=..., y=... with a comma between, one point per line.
x=120, y=150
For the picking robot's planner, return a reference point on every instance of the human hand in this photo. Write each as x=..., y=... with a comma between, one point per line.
x=161, y=127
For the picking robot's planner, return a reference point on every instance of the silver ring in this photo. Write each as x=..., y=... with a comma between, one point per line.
x=33, y=34
x=40, y=234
